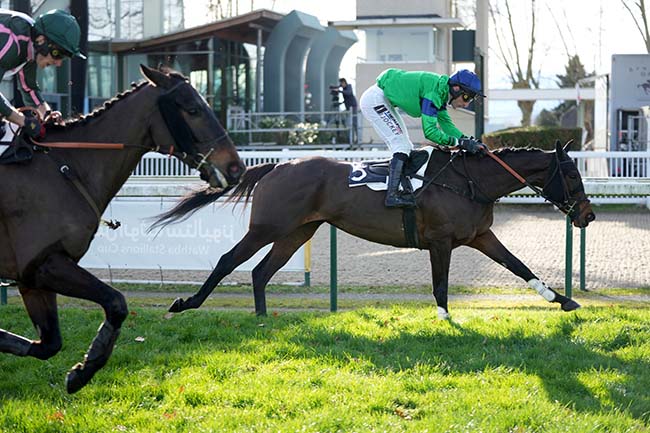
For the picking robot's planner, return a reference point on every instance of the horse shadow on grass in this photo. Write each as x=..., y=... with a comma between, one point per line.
x=558, y=355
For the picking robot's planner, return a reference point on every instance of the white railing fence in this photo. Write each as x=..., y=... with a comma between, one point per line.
x=590, y=164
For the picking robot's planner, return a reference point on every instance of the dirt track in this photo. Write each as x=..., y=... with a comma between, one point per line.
x=618, y=251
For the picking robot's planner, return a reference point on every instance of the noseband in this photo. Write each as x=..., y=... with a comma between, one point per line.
x=561, y=197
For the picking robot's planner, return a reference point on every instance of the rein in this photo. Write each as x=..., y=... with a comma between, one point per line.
x=567, y=206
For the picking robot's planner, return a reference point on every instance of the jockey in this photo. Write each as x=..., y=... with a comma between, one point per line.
x=419, y=94
x=26, y=44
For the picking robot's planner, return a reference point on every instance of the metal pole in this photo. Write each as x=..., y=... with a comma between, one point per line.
x=583, y=253
x=568, y=259
x=333, y=283
x=258, y=72
x=308, y=263
x=3, y=295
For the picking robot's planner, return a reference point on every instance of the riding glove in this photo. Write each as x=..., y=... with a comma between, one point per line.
x=472, y=145
x=33, y=127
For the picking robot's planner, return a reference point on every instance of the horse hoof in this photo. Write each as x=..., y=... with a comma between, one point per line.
x=177, y=306
x=570, y=305
x=73, y=380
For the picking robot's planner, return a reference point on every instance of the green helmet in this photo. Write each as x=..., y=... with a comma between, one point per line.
x=61, y=28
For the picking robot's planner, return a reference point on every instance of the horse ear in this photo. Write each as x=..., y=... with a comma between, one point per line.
x=567, y=145
x=155, y=77
x=558, y=147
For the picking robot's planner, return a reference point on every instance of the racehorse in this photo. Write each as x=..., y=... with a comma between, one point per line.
x=50, y=208
x=293, y=199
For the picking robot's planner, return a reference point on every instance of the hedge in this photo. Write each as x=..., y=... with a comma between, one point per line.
x=541, y=137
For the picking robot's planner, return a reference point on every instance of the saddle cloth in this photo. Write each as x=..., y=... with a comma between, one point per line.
x=374, y=174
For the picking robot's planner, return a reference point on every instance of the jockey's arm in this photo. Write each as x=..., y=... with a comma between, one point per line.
x=447, y=125
x=433, y=133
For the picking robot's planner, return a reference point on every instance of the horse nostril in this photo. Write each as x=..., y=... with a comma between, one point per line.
x=591, y=217
x=235, y=170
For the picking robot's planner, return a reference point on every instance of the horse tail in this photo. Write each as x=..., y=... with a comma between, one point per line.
x=248, y=182
x=191, y=203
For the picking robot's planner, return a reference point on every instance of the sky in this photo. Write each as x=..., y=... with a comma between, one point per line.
x=594, y=29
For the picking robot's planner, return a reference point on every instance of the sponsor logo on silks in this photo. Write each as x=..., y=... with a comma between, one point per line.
x=387, y=117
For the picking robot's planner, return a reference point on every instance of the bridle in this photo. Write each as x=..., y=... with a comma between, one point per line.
x=182, y=134
x=562, y=198
x=565, y=200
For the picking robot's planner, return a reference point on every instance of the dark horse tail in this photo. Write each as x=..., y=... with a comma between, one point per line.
x=196, y=200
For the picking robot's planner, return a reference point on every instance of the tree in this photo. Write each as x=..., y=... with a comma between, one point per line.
x=640, y=20
x=546, y=118
x=519, y=65
x=574, y=73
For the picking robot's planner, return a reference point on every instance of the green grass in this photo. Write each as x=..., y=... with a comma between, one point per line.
x=397, y=368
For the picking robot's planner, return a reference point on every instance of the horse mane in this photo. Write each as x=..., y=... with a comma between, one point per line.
x=82, y=119
x=500, y=151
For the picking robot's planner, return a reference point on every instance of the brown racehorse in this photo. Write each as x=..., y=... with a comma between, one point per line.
x=50, y=209
x=292, y=199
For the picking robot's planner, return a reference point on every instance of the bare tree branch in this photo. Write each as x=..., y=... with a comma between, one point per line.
x=645, y=34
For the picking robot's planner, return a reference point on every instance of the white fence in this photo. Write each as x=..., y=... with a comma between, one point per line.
x=590, y=164
x=609, y=177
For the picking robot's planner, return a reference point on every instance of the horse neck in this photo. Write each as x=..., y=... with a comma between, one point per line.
x=103, y=172
x=496, y=181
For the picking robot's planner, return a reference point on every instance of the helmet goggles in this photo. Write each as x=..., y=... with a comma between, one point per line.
x=57, y=52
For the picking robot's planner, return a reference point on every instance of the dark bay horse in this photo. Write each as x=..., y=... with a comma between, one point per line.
x=292, y=199
x=50, y=209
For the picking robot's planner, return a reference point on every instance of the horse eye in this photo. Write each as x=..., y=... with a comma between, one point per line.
x=572, y=176
x=192, y=111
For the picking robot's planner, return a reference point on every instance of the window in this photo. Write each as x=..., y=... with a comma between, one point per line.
x=400, y=45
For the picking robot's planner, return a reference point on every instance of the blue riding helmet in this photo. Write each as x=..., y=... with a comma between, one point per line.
x=468, y=81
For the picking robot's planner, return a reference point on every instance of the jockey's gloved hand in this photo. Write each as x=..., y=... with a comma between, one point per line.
x=472, y=145
x=33, y=127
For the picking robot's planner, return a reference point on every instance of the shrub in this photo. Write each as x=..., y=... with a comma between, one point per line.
x=541, y=137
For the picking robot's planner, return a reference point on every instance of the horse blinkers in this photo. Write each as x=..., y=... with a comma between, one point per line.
x=185, y=140
x=567, y=195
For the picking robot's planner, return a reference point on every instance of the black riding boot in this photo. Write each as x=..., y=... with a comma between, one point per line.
x=393, y=197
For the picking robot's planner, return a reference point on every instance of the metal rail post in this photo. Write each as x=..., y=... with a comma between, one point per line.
x=583, y=253
x=3, y=295
x=308, y=263
x=333, y=276
x=568, y=259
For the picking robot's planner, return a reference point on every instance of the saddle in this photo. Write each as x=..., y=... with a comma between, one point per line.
x=374, y=174
x=18, y=152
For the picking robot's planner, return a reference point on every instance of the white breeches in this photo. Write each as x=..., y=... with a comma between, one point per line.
x=386, y=120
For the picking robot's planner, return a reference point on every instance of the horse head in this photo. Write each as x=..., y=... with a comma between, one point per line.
x=185, y=126
x=564, y=187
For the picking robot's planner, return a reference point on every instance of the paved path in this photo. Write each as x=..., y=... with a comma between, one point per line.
x=618, y=255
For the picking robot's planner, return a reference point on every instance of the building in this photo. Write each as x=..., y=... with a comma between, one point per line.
x=257, y=61
x=413, y=35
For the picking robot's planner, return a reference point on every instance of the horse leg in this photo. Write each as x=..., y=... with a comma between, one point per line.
x=42, y=309
x=488, y=244
x=244, y=250
x=440, y=257
x=279, y=255
x=62, y=275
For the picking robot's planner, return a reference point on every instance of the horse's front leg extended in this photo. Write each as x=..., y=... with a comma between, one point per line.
x=488, y=244
x=61, y=274
x=244, y=250
x=440, y=257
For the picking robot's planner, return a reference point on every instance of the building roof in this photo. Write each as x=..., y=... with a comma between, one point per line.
x=242, y=28
x=398, y=20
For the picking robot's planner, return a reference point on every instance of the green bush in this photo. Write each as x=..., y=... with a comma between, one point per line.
x=541, y=137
